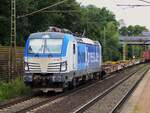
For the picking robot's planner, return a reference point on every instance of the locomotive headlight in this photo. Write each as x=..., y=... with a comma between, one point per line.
x=26, y=66
x=63, y=66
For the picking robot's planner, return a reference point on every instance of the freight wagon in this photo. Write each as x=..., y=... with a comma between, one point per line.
x=146, y=56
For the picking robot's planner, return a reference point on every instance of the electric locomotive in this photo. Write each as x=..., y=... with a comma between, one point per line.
x=56, y=60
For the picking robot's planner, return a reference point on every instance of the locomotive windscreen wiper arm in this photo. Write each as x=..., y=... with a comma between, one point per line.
x=36, y=54
x=49, y=55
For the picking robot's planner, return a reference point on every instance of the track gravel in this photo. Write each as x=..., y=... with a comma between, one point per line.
x=106, y=104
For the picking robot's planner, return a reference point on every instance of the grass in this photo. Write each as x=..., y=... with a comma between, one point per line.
x=136, y=109
x=13, y=89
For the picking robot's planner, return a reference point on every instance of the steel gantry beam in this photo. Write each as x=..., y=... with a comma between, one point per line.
x=134, y=40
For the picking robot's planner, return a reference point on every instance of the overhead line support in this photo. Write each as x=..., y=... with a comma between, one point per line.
x=12, y=49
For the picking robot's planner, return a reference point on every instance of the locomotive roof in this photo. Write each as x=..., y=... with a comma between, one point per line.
x=87, y=41
x=48, y=34
x=60, y=35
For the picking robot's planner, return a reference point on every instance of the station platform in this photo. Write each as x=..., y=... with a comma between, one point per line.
x=139, y=101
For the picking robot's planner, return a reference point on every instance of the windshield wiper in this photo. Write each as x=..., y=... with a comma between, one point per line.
x=50, y=55
x=36, y=54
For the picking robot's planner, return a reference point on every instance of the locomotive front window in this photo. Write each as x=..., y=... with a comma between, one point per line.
x=45, y=46
x=36, y=46
x=53, y=46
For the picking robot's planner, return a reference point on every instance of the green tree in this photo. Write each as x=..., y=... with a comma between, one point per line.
x=4, y=22
x=94, y=21
x=112, y=42
x=132, y=30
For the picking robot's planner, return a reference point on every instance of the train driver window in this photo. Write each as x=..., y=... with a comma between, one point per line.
x=74, y=49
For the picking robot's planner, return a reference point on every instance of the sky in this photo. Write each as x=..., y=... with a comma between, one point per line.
x=131, y=16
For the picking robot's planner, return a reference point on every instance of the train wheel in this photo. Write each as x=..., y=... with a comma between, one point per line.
x=74, y=82
x=65, y=86
x=70, y=85
x=95, y=76
x=102, y=74
x=83, y=79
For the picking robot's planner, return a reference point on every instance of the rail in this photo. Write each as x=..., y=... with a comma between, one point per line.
x=103, y=94
x=126, y=96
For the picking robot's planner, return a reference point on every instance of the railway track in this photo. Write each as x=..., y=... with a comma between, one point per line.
x=15, y=101
x=126, y=96
x=35, y=102
x=113, y=104
x=27, y=103
x=71, y=102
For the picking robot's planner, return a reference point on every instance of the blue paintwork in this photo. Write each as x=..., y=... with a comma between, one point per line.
x=93, y=56
x=81, y=56
x=66, y=40
x=26, y=47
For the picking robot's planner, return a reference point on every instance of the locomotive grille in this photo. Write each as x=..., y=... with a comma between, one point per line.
x=34, y=67
x=53, y=67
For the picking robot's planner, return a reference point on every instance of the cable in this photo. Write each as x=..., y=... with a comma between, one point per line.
x=145, y=1
x=132, y=5
x=62, y=11
x=40, y=10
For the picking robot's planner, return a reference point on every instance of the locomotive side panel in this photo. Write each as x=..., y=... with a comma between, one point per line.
x=93, y=62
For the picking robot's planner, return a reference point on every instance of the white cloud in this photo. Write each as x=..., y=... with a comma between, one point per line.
x=131, y=16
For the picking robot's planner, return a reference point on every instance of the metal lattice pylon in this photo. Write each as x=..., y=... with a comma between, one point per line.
x=12, y=49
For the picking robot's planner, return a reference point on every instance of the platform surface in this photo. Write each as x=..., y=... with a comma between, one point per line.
x=139, y=101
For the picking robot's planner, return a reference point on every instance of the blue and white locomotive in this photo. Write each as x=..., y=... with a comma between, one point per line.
x=57, y=60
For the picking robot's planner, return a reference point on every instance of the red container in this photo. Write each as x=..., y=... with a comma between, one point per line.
x=146, y=55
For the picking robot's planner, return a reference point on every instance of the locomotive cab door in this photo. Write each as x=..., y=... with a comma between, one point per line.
x=74, y=56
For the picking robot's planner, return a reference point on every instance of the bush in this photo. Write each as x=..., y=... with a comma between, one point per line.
x=13, y=89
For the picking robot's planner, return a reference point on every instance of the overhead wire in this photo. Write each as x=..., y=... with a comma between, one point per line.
x=145, y=1
x=62, y=11
x=40, y=10
x=138, y=5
